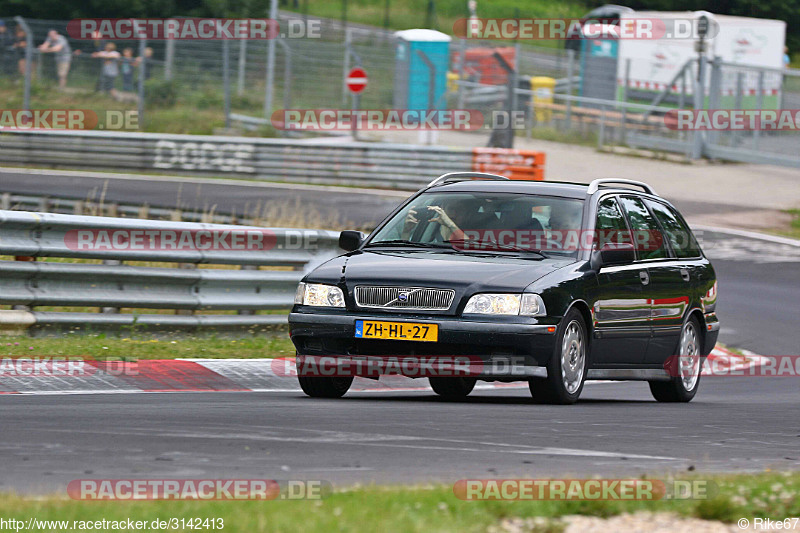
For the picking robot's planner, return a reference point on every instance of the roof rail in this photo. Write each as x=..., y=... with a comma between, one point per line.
x=595, y=185
x=464, y=176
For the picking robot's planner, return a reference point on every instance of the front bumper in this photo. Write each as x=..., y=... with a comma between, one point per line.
x=506, y=349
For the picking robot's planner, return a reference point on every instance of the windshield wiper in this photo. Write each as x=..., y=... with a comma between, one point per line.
x=404, y=242
x=491, y=246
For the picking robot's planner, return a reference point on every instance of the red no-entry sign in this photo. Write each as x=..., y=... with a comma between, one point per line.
x=356, y=80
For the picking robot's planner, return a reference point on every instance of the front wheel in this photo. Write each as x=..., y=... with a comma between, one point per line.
x=325, y=387
x=566, y=370
x=452, y=388
x=683, y=386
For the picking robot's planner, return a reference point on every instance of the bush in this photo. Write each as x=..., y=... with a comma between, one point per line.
x=161, y=93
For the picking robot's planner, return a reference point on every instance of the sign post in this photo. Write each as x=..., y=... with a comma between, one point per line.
x=356, y=82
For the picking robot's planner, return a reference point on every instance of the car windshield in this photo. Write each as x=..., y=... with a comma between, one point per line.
x=481, y=222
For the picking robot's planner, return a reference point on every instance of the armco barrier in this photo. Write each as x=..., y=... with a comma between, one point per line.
x=392, y=166
x=112, y=285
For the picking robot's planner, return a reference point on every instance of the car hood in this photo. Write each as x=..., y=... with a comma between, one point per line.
x=466, y=273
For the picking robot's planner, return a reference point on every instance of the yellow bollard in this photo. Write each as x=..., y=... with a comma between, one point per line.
x=543, y=88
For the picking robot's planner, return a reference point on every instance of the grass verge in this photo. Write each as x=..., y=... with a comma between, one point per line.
x=138, y=347
x=429, y=509
x=794, y=226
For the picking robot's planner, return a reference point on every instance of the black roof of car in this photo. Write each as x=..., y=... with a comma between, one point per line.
x=547, y=188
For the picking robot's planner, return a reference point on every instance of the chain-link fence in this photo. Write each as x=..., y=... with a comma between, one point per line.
x=560, y=94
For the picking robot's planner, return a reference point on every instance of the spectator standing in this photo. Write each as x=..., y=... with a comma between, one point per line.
x=126, y=64
x=146, y=63
x=6, y=41
x=98, y=44
x=19, y=46
x=57, y=44
x=110, y=70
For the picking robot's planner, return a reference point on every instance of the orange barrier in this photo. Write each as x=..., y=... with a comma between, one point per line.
x=514, y=164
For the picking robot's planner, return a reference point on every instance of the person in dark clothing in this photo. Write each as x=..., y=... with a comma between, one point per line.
x=126, y=64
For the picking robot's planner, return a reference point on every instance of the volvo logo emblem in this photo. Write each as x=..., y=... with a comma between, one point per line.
x=402, y=296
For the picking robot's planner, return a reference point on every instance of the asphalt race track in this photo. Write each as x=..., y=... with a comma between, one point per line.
x=734, y=424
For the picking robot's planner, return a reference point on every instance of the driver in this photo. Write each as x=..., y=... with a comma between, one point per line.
x=450, y=218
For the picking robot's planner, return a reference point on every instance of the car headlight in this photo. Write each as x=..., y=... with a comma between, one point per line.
x=506, y=304
x=319, y=295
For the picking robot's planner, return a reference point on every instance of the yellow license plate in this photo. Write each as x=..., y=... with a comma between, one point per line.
x=401, y=331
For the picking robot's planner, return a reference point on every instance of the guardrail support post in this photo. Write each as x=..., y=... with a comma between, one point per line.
x=602, y=128
x=247, y=312
x=760, y=105
x=26, y=95
x=169, y=58
x=111, y=310
x=570, y=73
x=699, y=102
x=273, y=15
x=226, y=80
x=624, y=100
x=508, y=140
x=242, y=64
x=461, y=67
x=287, y=74
x=5, y=201
x=145, y=68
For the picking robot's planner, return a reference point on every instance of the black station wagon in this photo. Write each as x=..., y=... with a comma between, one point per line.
x=545, y=282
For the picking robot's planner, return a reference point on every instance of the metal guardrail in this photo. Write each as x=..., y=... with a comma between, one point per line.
x=81, y=206
x=396, y=166
x=113, y=285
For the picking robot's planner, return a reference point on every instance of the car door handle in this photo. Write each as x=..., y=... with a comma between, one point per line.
x=685, y=275
x=644, y=276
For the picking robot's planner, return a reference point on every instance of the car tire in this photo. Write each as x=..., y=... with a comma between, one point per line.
x=683, y=388
x=325, y=387
x=452, y=388
x=566, y=370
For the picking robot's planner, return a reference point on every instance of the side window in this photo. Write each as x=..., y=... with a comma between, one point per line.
x=647, y=237
x=680, y=236
x=611, y=225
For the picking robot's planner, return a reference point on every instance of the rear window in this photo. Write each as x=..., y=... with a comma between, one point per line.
x=679, y=235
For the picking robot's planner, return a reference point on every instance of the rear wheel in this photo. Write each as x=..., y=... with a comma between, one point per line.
x=325, y=387
x=683, y=386
x=452, y=388
x=566, y=370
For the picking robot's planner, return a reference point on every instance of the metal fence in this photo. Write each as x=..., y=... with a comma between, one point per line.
x=95, y=275
x=308, y=72
x=636, y=114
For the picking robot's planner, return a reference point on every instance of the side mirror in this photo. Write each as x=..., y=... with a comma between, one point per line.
x=350, y=240
x=614, y=254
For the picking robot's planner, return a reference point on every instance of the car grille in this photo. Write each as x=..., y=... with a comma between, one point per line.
x=405, y=298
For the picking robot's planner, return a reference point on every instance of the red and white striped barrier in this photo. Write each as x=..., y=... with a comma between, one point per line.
x=238, y=375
